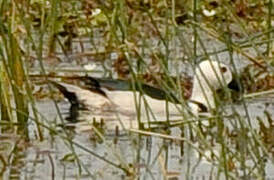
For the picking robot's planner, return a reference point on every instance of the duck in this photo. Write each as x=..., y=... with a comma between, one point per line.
x=108, y=96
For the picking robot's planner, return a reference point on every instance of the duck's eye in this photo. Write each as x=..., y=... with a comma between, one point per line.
x=223, y=69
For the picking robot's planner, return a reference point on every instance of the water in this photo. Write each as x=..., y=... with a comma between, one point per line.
x=147, y=157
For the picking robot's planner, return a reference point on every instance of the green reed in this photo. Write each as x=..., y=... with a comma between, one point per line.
x=12, y=70
x=140, y=31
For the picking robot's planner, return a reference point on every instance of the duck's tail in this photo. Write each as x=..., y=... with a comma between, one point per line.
x=72, y=98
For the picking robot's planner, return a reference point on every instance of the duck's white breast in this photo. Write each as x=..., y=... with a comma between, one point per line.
x=132, y=102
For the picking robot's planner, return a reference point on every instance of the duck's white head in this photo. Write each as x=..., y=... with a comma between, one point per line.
x=209, y=76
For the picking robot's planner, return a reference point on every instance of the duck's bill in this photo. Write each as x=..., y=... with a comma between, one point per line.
x=234, y=85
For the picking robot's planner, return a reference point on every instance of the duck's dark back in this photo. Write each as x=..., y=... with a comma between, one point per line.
x=123, y=85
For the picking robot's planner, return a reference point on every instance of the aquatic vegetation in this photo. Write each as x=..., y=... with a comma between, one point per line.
x=155, y=42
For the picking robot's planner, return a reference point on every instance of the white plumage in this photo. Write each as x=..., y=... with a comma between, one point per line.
x=209, y=76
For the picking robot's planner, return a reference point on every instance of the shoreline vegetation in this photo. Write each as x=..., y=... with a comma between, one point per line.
x=146, y=41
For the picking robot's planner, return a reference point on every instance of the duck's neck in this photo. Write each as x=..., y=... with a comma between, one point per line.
x=202, y=93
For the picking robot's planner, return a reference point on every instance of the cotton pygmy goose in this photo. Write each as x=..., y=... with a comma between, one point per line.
x=118, y=96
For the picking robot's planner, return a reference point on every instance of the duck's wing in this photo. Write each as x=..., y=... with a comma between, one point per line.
x=92, y=83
